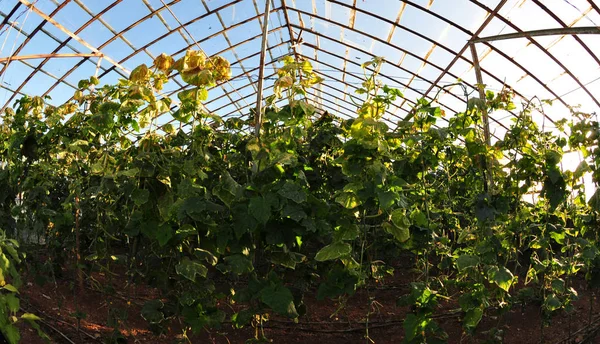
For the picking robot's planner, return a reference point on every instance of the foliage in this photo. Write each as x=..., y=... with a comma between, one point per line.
x=10, y=281
x=316, y=203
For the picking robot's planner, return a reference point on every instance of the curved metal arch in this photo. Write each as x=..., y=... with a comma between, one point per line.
x=445, y=70
x=420, y=35
x=346, y=27
x=9, y=15
x=133, y=25
x=20, y=48
x=538, y=45
x=433, y=84
x=563, y=24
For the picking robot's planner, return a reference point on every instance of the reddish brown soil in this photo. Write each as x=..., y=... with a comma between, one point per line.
x=56, y=304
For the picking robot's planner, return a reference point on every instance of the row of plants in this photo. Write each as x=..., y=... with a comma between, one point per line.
x=315, y=205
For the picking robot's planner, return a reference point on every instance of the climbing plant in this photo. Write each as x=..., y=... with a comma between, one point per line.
x=209, y=213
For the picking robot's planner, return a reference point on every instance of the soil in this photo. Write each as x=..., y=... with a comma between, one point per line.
x=57, y=304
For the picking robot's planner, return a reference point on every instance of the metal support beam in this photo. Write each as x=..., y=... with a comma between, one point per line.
x=71, y=34
x=480, y=88
x=261, y=70
x=484, y=115
x=43, y=56
x=485, y=23
x=587, y=30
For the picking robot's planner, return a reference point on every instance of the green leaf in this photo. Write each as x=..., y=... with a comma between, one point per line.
x=399, y=218
x=294, y=212
x=558, y=285
x=348, y=200
x=346, y=231
x=472, y=318
x=400, y=225
x=333, y=251
x=280, y=299
x=30, y=316
x=242, y=318
x=260, y=209
x=185, y=231
x=339, y=281
x=411, y=327
x=239, y=264
x=132, y=172
x=419, y=218
x=228, y=190
x=400, y=233
x=140, y=196
x=590, y=252
x=466, y=261
x=552, y=303
x=10, y=287
x=293, y=192
x=164, y=234
x=31, y=319
x=189, y=269
x=287, y=259
x=387, y=199
x=206, y=255
x=501, y=276
x=11, y=333
x=12, y=302
x=152, y=311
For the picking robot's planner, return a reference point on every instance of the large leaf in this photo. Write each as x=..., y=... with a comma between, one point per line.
x=294, y=212
x=411, y=327
x=400, y=233
x=339, y=281
x=552, y=303
x=12, y=302
x=472, y=318
x=280, y=299
x=400, y=225
x=164, y=234
x=293, y=192
x=189, y=269
x=206, y=255
x=399, y=218
x=152, y=311
x=419, y=218
x=348, y=200
x=501, y=276
x=238, y=264
x=333, y=251
x=228, y=190
x=260, y=209
x=466, y=261
x=140, y=196
x=11, y=333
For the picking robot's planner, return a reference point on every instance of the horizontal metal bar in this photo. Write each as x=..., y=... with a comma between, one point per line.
x=586, y=30
x=42, y=56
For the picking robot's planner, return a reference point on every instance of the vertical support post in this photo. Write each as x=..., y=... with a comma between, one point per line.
x=479, y=77
x=486, y=122
x=261, y=70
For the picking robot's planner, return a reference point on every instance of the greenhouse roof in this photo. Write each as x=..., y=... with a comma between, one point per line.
x=49, y=45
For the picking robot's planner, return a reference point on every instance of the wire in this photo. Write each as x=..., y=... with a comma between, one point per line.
x=578, y=88
x=12, y=50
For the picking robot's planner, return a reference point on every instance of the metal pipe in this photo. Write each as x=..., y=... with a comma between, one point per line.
x=261, y=71
x=486, y=122
x=587, y=30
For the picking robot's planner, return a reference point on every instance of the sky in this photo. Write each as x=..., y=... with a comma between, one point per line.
x=429, y=35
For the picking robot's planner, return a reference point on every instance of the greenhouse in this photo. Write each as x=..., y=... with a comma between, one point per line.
x=299, y=171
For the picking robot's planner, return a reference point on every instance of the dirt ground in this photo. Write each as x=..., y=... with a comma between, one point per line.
x=57, y=304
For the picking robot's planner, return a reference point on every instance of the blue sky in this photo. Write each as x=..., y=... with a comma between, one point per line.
x=405, y=51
